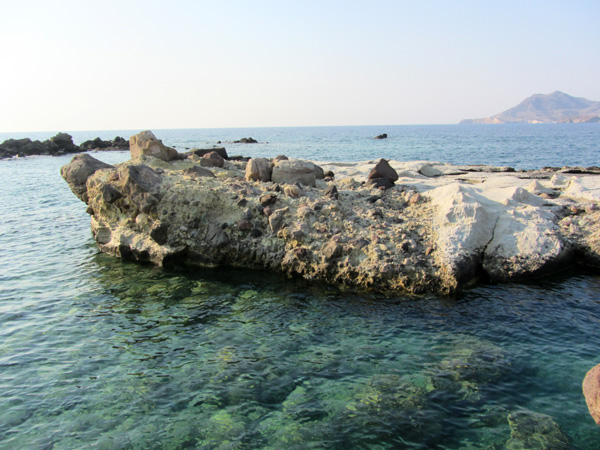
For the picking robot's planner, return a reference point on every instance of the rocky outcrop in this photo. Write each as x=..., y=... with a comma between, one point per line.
x=381, y=136
x=422, y=234
x=247, y=140
x=57, y=145
x=118, y=143
x=591, y=392
x=146, y=144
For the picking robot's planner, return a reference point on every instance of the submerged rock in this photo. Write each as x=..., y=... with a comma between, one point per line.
x=529, y=429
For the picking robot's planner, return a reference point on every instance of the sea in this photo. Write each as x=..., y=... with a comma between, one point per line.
x=98, y=353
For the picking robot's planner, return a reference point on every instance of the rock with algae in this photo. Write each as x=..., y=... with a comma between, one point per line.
x=532, y=430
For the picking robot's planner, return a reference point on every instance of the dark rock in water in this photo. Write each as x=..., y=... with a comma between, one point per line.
x=79, y=170
x=56, y=145
x=532, y=430
x=591, y=392
x=382, y=182
x=381, y=136
x=383, y=169
x=205, y=151
x=247, y=140
x=212, y=159
x=64, y=142
x=199, y=172
x=118, y=143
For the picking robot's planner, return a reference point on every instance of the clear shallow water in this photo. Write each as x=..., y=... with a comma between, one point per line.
x=96, y=353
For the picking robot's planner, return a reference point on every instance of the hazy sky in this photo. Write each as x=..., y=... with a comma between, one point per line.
x=83, y=65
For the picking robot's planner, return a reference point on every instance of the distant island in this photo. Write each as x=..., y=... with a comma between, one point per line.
x=557, y=107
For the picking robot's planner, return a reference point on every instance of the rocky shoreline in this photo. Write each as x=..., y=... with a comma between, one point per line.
x=399, y=226
x=60, y=144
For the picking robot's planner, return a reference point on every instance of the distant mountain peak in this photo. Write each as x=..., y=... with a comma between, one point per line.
x=556, y=107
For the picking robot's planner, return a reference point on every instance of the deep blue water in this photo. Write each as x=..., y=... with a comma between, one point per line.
x=523, y=146
x=97, y=353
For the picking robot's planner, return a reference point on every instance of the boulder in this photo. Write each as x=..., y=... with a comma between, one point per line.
x=383, y=169
x=212, y=159
x=258, y=169
x=79, y=170
x=294, y=171
x=63, y=142
x=199, y=172
x=204, y=151
x=591, y=392
x=381, y=136
x=145, y=143
x=382, y=182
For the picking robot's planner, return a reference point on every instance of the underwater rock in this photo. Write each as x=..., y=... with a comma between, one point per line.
x=532, y=430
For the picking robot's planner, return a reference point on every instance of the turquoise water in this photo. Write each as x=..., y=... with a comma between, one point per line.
x=97, y=353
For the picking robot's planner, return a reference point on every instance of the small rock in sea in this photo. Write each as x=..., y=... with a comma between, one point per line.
x=247, y=140
x=381, y=136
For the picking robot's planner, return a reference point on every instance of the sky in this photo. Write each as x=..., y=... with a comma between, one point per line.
x=113, y=65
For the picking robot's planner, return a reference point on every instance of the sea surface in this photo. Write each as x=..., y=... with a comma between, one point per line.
x=96, y=353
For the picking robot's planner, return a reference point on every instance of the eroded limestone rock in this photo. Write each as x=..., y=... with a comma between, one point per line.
x=145, y=143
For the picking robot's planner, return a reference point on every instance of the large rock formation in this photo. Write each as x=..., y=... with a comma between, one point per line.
x=57, y=145
x=424, y=234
